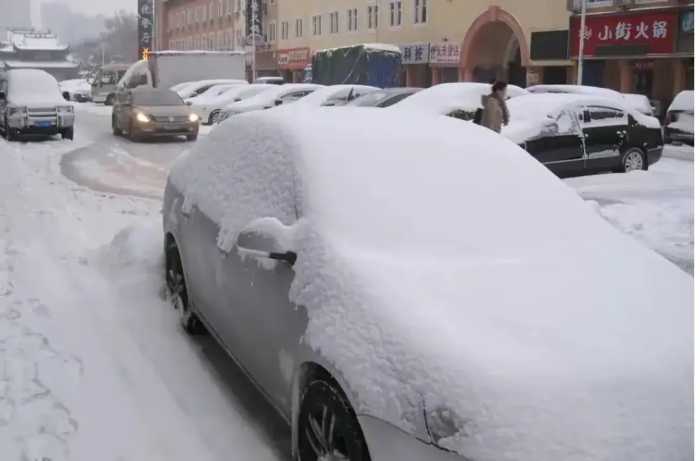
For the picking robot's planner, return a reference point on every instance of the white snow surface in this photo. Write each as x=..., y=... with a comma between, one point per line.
x=579, y=89
x=685, y=100
x=33, y=87
x=267, y=98
x=639, y=102
x=685, y=122
x=514, y=313
x=323, y=95
x=188, y=90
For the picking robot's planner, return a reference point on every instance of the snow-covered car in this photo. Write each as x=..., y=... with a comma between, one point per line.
x=574, y=134
x=145, y=112
x=31, y=103
x=104, y=83
x=639, y=102
x=578, y=89
x=197, y=88
x=78, y=90
x=208, y=110
x=680, y=118
x=270, y=80
x=336, y=95
x=277, y=96
x=384, y=98
x=459, y=100
x=426, y=294
x=212, y=92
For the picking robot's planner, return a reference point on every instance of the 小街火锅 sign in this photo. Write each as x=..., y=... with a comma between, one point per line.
x=648, y=33
x=145, y=26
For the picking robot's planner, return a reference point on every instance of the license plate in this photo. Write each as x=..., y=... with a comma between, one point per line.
x=44, y=124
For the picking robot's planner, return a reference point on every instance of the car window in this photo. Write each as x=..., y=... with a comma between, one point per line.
x=394, y=99
x=157, y=98
x=604, y=116
x=291, y=97
x=461, y=114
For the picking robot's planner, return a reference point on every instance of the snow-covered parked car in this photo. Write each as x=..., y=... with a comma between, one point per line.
x=426, y=294
x=199, y=87
x=336, y=95
x=605, y=93
x=459, y=100
x=574, y=134
x=209, y=109
x=680, y=118
x=277, y=96
x=640, y=102
x=78, y=90
x=212, y=92
x=384, y=98
x=31, y=103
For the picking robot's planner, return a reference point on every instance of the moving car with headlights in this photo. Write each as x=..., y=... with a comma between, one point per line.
x=574, y=134
x=356, y=270
x=31, y=103
x=680, y=118
x=209, y=109
x=277, y=96
x=336, y=95
x=104, y=83
x=384, y=98
x=150, y=113
x=459, y=100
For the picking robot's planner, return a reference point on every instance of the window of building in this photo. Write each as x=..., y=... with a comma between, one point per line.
x=317, y=24
x=372, y=17
x=352, y=20
x=272, y=31
x=421, y=11
x=334, y=22
x=395, y=13
x=299, y=27
x=284, y=30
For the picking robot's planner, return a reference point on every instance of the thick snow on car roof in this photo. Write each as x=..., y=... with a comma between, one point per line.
x=34, y=87
x=273, y=93
x=447, y=97
x=577, y=89
x=320, y=96
x=685, y=100
x=448, y=274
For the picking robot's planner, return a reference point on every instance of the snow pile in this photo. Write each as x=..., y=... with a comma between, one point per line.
x=498, y=312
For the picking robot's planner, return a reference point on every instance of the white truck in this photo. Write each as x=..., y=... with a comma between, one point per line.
x=164, y=69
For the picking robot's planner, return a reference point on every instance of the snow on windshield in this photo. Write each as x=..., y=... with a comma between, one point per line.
x=31, y=86
x=685, y=100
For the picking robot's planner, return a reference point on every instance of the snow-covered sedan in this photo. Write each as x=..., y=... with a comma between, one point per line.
x=31, y=103
x=209, y=109
x=459, y=100
x=78, y=89
x=574, y=134
x=277, y=96
x=337, y=95
x=680, y=118
x=426, y=294
x=384, y=98
x=196, y=88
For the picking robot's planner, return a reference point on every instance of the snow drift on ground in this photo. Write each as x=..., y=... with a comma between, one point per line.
x=507, y=311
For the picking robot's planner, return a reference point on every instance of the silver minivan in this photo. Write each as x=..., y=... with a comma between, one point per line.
x=31, y=103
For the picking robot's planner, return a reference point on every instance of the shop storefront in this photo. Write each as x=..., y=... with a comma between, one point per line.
x=414, y=59
x=444, y=61
x=647, y=52
x=292, y=62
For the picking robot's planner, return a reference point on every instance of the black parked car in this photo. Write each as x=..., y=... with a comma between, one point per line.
x=148, y=112
x=578, y=134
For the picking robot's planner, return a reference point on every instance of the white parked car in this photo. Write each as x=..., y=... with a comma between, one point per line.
x=273, y=97
x=209, y=109
x=337, y=95
x=197, y=88
x=458, y=100
x=410, y=287
x=77, y=89
x=578, y=89
x=680, y=118
x=212, y=92
x=31, y=103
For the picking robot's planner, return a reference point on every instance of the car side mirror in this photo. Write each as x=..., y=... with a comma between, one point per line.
x=278, y=102
x=66, y=95
x=266, y=239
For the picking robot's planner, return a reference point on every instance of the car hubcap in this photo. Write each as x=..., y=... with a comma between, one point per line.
x=320, y=432
x=634, y=161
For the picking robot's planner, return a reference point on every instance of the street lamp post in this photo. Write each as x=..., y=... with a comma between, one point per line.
x=254, y=34
x=581, y=41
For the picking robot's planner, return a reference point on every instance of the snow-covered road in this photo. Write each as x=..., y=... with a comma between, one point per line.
x=92, y=362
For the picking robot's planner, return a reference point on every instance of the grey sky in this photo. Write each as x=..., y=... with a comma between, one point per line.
x=92, y=7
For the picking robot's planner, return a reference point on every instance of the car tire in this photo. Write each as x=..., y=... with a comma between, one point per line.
x=130, y=132
x=8, y=133
x=328, y=425
x=633, y=160
x=115, y=129
x=191, y=137
x=109, y=100
x=67, y=133
x=212, y=117
x=177, y=291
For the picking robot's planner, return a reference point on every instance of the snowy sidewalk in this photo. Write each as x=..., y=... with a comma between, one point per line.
x=92, y=362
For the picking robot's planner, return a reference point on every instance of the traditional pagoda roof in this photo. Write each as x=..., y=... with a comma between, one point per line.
x=35, y=40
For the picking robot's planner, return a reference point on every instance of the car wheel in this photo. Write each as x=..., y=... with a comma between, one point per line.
x=67, y=133
x=212, y=117
x=177, y=291
x=8, y=133
x=191, y=137
x=109, y=100
x=115, y=129
x=633, y=160
x=327, y=426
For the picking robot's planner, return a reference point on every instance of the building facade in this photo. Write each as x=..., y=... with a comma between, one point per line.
x=640, y=46
x=26, y=48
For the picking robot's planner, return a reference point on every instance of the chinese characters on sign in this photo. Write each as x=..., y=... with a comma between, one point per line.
x=655, y=32
x=293, y=59
x=445, y=53
x=415, y=53
x=145, y=12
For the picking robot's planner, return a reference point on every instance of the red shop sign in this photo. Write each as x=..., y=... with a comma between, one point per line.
x=294, y=58
x=655, y=31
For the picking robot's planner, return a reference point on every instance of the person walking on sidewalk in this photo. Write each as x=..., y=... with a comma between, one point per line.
x=495, y=114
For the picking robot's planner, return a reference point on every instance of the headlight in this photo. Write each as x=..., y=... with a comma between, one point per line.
x=16, y=110
x=143, y=118
x=68, y=109
x=194, y=118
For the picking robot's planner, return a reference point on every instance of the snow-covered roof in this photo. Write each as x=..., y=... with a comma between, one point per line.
x=685, y=100
x=639, y=102
x=28, y=87
x=436, y=263
x=447, y=97
x=36, y=41
x=578, y=89
x=13, y=64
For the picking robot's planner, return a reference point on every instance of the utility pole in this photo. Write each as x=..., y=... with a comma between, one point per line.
x=581, y=41
x=254, y=33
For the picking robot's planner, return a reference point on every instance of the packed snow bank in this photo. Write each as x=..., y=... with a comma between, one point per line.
x=515, y=318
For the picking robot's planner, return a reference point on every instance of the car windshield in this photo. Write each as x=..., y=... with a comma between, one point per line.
x=157, y=98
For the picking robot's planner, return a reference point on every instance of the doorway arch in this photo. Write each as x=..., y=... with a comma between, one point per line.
x=495, y=48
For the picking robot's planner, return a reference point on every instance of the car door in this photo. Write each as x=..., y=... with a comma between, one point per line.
x=560, y=145
x=605, y=131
